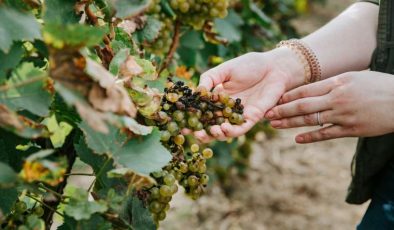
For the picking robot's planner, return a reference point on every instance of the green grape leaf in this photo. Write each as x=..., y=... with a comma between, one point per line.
x=143, y=154
x=149, y=70
x=101, y=164
x=95, y=222
x=141, y=217
x=151, y=30
x=229, y=27
x=72, y=35
x=102, y=143
x=8, y=176
x=60, y=12
x=16, y=26
x=193, y=40
x=26, y=90
x=59, y=131
x=118, y=60
x=7, y=200
x=79, y=207
x=10, y=60
x=128, y=8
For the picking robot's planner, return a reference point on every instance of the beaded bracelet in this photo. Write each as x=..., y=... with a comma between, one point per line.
x=307, y=57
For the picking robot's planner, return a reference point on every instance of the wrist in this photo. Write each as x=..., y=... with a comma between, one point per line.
x=286, y=61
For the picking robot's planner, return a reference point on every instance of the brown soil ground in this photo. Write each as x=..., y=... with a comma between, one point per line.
x=289, y=186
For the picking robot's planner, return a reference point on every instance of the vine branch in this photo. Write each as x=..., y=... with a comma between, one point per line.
x=71, y=155
x=174, y=46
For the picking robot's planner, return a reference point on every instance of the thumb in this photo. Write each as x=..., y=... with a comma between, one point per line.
x=215, y=76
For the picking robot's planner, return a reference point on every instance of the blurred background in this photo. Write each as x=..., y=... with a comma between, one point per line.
x=282, y=185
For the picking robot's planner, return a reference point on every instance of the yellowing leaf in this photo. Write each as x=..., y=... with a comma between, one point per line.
x=59, y=131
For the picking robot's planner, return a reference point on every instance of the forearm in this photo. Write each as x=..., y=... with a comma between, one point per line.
x=347, y=42
x=344, y=44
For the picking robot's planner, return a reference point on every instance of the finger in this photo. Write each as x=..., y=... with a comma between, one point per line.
x=236, y=130
x=326, y=117
x=326, y=133
x=186, y=131
x=218, y=133
x=203, y=137
x=299, y=107
x=311, y=90
x=215, y=76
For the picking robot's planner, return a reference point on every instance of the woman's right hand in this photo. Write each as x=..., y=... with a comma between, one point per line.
x=259, y=80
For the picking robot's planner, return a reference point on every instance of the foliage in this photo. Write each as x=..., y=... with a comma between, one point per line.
x=84, y=80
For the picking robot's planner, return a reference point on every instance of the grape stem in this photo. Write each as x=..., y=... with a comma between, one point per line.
x=44, y=204
x=174, y=46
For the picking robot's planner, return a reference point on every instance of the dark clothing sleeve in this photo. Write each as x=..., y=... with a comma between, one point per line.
x=371, y=1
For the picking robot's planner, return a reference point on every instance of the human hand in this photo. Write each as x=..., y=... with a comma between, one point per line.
x=259, y=80
x=354, y=104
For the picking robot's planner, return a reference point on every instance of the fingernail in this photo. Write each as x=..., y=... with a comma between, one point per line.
x=270, y=114
x=300, y=139
x=276, y=123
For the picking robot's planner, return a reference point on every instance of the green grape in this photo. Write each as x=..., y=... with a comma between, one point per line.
x=178, y=175
x=194, y=148
x=173, y=128
x=39, y=211
x=207, y=153
x=203, y=106
x=202, y=168
x=155, y=207
x=204, y=179
x=178, y=115
x=174, y=188
x=183, y=168
x=234, y=118
x=161, y=215
x=167, y=207
x=193, y=122
x=157, y=174
x=23, y=227
x=182, y=123
x=220, y=120
x=179, y=139
x=165, y=136
x=192, y=181
x=199, y=126
x=196, y=191
x=166, y=106
x=208, y=115
x=155, y=192
x=230, y=103
x=223, y=97
x=172, y=97
x=193, y=167
x=227, y=112
x=165, y=190
x=184, y=7
x=169, y=179
x=20, y=207
x=165, y=199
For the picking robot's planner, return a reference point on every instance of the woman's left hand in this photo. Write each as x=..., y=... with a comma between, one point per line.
x=354, y=104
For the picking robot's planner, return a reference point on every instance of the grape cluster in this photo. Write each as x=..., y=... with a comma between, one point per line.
x=196, y=12
x=20, y=214
x=183, y=108
x=163, y=42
